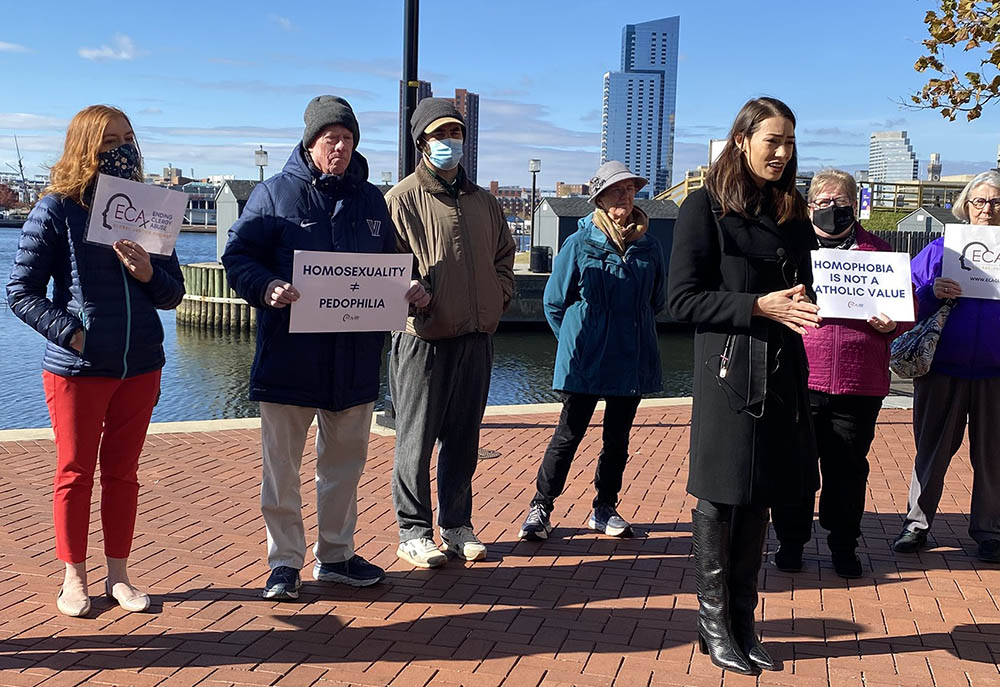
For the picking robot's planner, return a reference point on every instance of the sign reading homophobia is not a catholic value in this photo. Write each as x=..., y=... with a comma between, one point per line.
x=858, y=284
x=349, y=292
x=125, y=209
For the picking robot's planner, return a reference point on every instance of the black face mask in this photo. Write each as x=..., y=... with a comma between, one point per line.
x=122, y=162
x=833, y=220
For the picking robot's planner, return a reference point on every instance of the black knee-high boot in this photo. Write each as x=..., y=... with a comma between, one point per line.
x=748, y=534
x=711, y=560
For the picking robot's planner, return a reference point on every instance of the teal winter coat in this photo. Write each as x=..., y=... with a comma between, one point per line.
x=602, y=308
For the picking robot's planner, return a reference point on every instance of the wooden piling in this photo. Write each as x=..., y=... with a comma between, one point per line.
x=209, y=303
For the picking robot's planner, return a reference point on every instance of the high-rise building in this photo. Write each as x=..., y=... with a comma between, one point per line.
x=934, y=167
x=423, y=91
x=640, y=102
x=468, y=105
x=891, y=158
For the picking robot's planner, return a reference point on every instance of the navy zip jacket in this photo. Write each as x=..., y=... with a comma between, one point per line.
x=290, y=212
x=91, y=290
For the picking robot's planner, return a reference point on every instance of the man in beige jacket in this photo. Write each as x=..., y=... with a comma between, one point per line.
x=439, y=368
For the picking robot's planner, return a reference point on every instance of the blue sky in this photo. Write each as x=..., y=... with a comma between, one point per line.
x=205, y=83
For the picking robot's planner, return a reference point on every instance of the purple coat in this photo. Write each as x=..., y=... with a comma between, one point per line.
x=969, y=341
x=848, y=356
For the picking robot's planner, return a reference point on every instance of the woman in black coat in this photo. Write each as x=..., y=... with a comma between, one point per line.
x=740, y=271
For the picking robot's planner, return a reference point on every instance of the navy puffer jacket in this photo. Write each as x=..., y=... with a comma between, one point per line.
x=289, y=212
x=91, y=290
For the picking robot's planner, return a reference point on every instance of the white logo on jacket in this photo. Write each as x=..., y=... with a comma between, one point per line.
x=375, y=226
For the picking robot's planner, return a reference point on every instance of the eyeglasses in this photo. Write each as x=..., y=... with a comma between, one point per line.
x=980, y=203
x=839, y=201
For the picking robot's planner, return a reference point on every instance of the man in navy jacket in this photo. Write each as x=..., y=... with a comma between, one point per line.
x=320, y=201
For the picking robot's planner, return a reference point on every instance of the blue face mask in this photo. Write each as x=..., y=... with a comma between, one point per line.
x=122, y=162
x=445, y=154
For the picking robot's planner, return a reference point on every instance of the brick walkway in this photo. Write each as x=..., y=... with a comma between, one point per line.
x=578, y=609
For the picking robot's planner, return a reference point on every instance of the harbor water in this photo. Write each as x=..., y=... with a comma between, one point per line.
x=206, y=374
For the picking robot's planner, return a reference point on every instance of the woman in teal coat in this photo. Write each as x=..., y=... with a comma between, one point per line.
x=607, y=286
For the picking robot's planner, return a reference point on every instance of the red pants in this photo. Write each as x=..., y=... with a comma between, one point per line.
x=83, y=409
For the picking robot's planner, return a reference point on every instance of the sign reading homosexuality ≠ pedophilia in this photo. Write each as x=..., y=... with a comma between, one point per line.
x=972, y=258
x=349, y=292
x=858, y=284
x=124, y=209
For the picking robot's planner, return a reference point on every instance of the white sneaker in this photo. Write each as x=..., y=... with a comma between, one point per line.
x=462, y=542
x=421, y=552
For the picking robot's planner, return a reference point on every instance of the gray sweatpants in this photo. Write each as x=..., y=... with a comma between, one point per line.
x=941, y=406
x=439, y=391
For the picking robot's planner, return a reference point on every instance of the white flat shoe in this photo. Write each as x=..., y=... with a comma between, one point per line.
x=74, y=609
x=118, y=593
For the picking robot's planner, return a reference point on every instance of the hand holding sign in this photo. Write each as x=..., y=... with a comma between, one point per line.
x=881, y=323
x=417, y=295
x=135, y=258
x=945, y=288
x=280, y=293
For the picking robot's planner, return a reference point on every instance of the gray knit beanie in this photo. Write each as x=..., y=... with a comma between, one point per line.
x=324, y=110
x=436, y=111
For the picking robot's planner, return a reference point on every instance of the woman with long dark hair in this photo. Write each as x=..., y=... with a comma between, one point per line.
x=740, y=271
x=101, y=369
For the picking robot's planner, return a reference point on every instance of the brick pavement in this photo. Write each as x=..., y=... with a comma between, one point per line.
x=578, y=609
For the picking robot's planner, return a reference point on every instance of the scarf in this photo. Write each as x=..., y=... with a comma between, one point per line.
x=842, y=242
x=622, y=235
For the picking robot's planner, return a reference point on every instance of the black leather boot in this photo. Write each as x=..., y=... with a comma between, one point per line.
x=711, y=562
x=748, y=533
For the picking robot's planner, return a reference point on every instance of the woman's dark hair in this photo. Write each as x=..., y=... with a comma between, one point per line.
x=731, y=182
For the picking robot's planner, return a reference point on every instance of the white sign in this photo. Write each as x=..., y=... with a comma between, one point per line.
x=126, y=209
x=349, y=292
x=857, y=284
x=972, y=258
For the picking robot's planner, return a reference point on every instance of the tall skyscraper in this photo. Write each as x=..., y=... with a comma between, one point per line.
x=640, y=102
x=468, y=105
x=423, y=91
x=891, y=158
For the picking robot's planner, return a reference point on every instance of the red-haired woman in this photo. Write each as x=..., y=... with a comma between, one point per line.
x=740, y=271
x=101, y=369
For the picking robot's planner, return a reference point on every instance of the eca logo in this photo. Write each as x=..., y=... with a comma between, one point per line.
x=120, y=209
x=977, y=252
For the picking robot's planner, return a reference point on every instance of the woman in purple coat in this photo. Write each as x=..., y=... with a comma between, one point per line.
x=962, y=388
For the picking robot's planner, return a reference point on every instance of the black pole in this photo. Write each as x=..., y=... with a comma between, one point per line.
x=410, y=36
x=411, y=13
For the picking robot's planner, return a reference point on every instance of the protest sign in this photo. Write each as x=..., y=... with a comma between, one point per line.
x=972, y=258
x=349, y=292
x=857, y=284
x=125, y=209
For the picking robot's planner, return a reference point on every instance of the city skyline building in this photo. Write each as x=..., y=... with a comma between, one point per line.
x=934, y=167
x=891, y=157
x=640, y=103
x=467, y=103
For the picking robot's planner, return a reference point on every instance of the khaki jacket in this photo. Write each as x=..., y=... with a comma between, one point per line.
x=463, y=250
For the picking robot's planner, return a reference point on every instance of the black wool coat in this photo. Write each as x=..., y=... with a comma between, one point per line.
x=752, y=438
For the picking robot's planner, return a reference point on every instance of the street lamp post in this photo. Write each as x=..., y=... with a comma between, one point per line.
x=260, y=159
x=534, y=166
x=408, y=152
